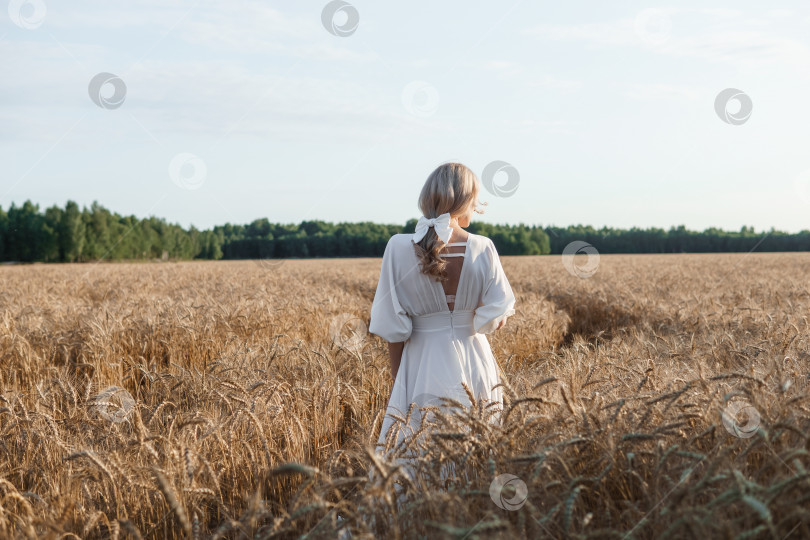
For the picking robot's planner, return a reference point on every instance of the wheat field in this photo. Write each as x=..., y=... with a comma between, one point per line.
x=666, y=396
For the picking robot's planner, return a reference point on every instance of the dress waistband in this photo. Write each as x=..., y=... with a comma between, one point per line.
x=443, y=321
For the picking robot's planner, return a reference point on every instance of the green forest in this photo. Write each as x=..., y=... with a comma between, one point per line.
x=74, y=234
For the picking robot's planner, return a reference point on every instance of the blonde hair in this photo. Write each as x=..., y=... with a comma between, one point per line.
x=451, y=188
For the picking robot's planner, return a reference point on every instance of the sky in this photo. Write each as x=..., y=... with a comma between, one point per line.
x=627, y=114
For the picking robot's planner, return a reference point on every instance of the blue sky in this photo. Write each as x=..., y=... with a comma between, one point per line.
x=606, y=110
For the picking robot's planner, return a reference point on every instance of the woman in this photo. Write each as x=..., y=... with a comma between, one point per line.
x=440, y=290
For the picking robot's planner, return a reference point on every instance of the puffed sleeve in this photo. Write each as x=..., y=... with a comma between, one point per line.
x=497, y=298
x=388, y=318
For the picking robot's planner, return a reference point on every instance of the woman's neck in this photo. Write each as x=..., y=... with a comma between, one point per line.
x=459, y=234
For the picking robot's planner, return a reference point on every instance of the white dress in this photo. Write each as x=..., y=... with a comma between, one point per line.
x=442, y=348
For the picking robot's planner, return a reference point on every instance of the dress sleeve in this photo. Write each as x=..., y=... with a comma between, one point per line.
x=497, y=298
x=389, y=320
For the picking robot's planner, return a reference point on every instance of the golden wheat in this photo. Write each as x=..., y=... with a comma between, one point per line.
x=253, y=411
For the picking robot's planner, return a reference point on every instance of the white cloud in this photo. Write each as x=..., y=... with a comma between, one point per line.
x=550, y=81
x=744, y=49
x=500, y=65
x=721, y=13
x=714, y=35
x=666, y=92
x=605, y=33
x=201, y=97
x=535, y=127
x=224, y=84
x=508, y=69
x=245, y=29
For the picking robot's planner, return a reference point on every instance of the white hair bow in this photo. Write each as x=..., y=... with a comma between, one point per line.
x=440, y=224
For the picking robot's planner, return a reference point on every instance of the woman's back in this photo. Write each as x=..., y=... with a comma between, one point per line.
x=404, y=292
x=444, y=349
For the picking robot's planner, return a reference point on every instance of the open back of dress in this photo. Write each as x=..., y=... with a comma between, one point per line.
x=454, y=270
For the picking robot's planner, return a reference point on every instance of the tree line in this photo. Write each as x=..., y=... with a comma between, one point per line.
x=73, y=234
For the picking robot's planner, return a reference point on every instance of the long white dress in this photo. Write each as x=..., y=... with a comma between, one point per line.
x=442, y=348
